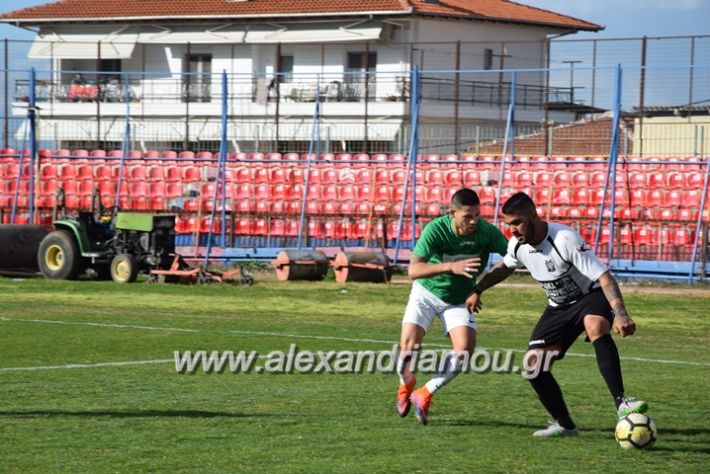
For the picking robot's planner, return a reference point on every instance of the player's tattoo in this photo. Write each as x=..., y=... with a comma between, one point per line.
x=613, y=295
x=620, y=310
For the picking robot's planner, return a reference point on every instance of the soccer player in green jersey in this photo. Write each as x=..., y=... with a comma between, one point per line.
x=450, y=254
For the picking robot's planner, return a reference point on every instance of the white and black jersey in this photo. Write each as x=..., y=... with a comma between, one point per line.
x=562, y=263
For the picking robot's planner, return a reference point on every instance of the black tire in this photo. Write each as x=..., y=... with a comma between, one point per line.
x=58, y=256
x=124, y=268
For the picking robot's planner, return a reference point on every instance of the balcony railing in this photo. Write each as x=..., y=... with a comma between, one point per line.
x=304, y=90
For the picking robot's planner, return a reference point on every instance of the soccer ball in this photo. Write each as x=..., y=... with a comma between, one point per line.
x=636, y=431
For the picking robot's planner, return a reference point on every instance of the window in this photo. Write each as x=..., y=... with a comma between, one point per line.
x=488, y=59
x=198, y=83
x=354, y=85
x=356, y=62
x=286, y=69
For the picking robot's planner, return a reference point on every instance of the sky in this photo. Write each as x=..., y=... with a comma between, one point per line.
x=634, y=18
x=621, y=18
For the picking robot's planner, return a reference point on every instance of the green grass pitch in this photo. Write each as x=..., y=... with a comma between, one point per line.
x=148, y=418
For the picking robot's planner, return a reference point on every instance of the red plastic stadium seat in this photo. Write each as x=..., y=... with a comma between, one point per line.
x=562, y=197
x=487, y=195
x=656, y=180
x=435, y=177
x=543, y=179
x=581, y=196
x=362, y=208
x=397, y=159
x=562, y=179
x=329, y=207
x=638, y=180
x=487, y=163
x=692, y=198
x=538, y=163
x=580, y=180
x=436, y=194
x=191, y=174
x=655, y=197
x=646, y=235
x=673, y=197
x=687, y=215
x=676, y=181
x=695, y=181
x=137, y=173
x=431, y=210
x=524, y=179
x=156, y=173
x=453, y=178
x=542, y=197
x=382, y=176
x=681, y=236
x=281, y=191
x=597, y=180
x=347, y=192
x=261, y=174
x=471, y=178
x=48, y=171
x=574, y=213
x=557, y=211
x=173, y=190
x=383, y=193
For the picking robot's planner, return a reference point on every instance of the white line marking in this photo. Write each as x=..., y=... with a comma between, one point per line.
x=87, y=366
x=325, y=338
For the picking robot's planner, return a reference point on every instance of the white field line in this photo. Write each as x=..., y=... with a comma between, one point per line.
x=305, y=336
x=87, y=366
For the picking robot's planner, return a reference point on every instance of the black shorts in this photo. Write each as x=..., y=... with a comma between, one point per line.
x=561, y=325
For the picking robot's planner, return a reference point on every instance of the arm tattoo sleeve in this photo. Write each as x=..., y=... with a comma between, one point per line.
x=613, y=295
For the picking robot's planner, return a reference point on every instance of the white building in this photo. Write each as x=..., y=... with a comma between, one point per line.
x=277, y=54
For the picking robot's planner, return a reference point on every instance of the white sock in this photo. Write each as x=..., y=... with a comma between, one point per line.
x=404, y=369
x=450, y=368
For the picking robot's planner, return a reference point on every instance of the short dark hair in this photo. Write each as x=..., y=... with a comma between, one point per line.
x=519, y=203
x=464, y=197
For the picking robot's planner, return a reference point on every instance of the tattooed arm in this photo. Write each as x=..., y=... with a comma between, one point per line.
x=623, y=324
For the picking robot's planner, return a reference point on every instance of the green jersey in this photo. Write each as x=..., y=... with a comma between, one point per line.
x=439, y=243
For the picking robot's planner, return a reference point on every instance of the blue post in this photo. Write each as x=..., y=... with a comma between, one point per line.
x=412, y=161
x=126, y=146
x=33, y=141
x=509, y=134
x=614, y=156
x=414, y=154
x=699, y=223
x=315, y=134
x=611, y=165
x=221, y=171
x=21, y=159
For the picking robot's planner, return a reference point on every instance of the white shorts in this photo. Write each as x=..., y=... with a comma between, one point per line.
x=424, y=306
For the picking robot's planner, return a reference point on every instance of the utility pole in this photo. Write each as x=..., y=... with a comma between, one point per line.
x=571, y=63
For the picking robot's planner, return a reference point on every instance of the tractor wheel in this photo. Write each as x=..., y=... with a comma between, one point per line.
x=58, y=256
x=124, y=268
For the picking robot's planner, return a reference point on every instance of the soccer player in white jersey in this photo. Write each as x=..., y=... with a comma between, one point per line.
x=583, y=296
x=451, y=252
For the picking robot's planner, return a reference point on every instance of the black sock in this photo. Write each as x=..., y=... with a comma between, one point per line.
x=551, y=397
x=609, y=366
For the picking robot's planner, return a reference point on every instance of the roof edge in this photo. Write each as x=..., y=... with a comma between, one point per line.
x=204, y=17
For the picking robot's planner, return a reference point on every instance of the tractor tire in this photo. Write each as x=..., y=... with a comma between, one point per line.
x=124, y=268
x=58, y=256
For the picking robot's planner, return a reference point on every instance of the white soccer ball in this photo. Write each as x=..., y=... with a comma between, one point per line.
x=636, y=431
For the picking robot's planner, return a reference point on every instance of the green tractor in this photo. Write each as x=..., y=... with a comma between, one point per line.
x=117, y=246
